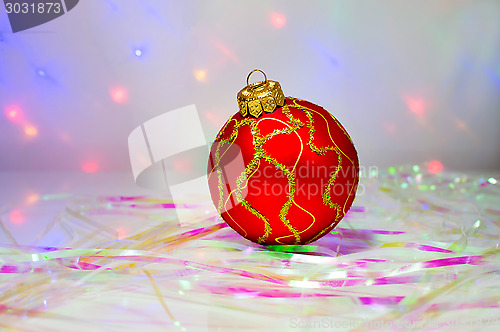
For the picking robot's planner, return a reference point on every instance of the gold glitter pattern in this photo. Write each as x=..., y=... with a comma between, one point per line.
x=322, y=151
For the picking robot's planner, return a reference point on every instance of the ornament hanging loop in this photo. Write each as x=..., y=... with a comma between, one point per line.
x=259, y=98
x=256, y=85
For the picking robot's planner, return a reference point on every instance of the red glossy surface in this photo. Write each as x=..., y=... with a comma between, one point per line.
x=267, y=188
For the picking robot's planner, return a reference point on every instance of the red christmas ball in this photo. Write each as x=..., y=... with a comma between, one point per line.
x=283, y=177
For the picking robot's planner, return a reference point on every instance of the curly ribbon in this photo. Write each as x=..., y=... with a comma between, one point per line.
x=417, y=248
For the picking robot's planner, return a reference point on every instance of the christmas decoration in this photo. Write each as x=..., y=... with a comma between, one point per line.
x=281, y=170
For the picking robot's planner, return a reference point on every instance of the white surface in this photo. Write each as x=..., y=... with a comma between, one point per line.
x=26, y=192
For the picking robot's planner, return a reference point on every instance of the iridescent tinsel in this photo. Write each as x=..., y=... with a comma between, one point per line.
x=417, y=250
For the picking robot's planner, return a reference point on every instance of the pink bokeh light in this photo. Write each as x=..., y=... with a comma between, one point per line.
x=278, y=20
x=119, y=95
x=225, y=50
x=14, y=113
x=415, y=105
x=90, y=167
x=213, y=119
x=16, y=217
x=435, y=166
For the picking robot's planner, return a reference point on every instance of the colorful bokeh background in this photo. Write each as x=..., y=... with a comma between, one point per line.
x=412, y=81
x=84, y=248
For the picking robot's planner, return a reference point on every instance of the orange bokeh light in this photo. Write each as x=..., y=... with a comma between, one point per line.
x=32, y=198
x=200, y=75
x=30, y=131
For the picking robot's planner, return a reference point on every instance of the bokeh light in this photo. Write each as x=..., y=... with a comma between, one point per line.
x=119, y=95
x=32, y=198
x=30, y=131
x=200, y=75
x=138, y=52
x=16, y=217
x=213, y=119
x=225, y=50
x=435, y=166
x=415, y=105
x=14, y=113
x=90, y=167
x=278, y=20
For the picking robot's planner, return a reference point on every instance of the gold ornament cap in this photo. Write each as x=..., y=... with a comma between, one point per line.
x=260, y=97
